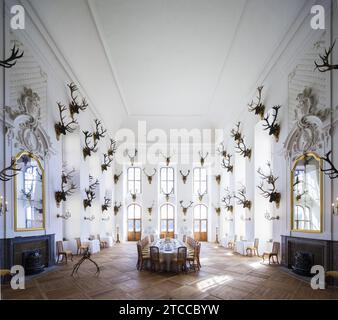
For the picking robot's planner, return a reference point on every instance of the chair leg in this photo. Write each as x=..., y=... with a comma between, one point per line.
x=66, y=258
x=57, y=261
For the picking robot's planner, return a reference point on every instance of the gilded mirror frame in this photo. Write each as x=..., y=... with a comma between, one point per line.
x=16, y=229
x=321, y=185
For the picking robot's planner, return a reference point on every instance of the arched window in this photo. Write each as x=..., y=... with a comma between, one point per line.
x=167, y=180
x=134, y=212
x=167, y=221
x=200, y=181
x=134, y=180
x=200, y=222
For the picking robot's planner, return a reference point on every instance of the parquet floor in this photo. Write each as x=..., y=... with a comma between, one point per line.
x=223, y=276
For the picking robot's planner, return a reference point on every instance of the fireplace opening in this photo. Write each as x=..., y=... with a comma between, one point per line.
x=32, y=262
x=303, y=263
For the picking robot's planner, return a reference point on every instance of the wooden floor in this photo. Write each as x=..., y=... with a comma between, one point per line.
x=223, y=276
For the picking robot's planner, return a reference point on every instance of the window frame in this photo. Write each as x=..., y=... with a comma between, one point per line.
x=199, y=181
x=166, y=181
x=134, y=180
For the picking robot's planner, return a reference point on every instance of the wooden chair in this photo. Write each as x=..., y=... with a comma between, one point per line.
x=155, y=260
x=253, y=249
x=184, y=238
x=81, y=247
x=274, y=252
x=181, y=259
x=103, y=243
x=142, y=257
x=63, y=253
x=232, y=244
x=194, y=259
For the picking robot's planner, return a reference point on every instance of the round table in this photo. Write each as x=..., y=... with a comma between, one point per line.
x=168, y=250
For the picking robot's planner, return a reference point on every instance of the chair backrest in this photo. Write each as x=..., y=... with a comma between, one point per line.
x=184, y=238
x=256, y=243
x=275, y=247
x=59, y=246
x=139, y=249
x=181, y=254
x=98, y=237
x=152, y=238
x=154, y=253
x=78, y=242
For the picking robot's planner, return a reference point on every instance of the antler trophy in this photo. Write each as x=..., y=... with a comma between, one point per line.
x=106, y=205
x=270, y=179
x=273, y=127
x=99, y=131
x=242, y=200
x=218, y=178
x=227, y=200
x=90, y=192
x=62, y=195
x=167, y=158
x=9, y=172
x=150, y=176
x=201, y=195
x=11, y=61
x=107, y=160
x=167, y=195
x=184, y=176
x=117, y=177
x=221, y=150
x=62, y=127
x=202, y=159
x=185, y=209
x=226, y=163
x=325, y=64
x=117, y=208
x=258, y=107
x=88, y=149
x=74, y=106
x=242, y=149
x=132, y=157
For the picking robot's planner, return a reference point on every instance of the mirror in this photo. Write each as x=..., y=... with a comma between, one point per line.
x=307, y=194
x=29, y=194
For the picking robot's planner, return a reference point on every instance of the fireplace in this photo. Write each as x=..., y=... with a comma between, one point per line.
x=303, y=262
x=32, y=262
x=34, y=253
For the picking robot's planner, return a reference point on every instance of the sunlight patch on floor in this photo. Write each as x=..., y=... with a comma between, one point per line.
x=212, y=282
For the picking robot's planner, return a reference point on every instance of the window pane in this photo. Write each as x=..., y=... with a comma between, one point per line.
x=203, y=226
x=170, y=225
x=137, y=212
x=196, y=188
x=164, y=212
x=137, y=174
x=196, y=226
x=137, y=187
x=170, y=212
x=131, y=186
x=131, y=174
x=203, y=187
x=203, y=212
x=138, y=225
x=130, y=225
x=196, y=174
x=197, y=214
x=163, y=225
x=203, y=174
x=131, y=212
x=170, y=175
x=170, y=186
x=163, y=174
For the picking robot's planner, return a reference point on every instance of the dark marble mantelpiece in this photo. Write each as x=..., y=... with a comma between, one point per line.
x=325, y=252
x=11, y=249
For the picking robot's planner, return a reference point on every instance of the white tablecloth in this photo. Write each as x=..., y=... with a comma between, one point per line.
x=109, y=240
x=94, y=245
x=242, y=245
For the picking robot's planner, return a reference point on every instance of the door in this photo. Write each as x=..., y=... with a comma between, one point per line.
x=200, y=223
x=167, y=221
x=134, y=222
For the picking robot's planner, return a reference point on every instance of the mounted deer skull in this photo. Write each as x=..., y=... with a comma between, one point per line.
x=185, y=209
x=167, y=158
x=218, y=178
x=112, y=149
x=62, y=127
x=99, y=132
x=64, y=193
x=117, y=177
x=107, y=160
x=332, y=172
x=184, y=176
x=131, y=158
x=201, y=195
x=242, y=149
x=235, y=133
x=106, y=205
x=226, y=164
x=9, y=172
x=242, y=200
x=150, y=177
x=325, y=65
x=150, y=209
x=167, y=195
x=88, y=149
x=117, y=208
x=133, y=196
x=273, y=127
x=11, y=61
x=202, y=159
x=74, y=106
x=227, y=200
x=90, y=192
x=221, y=150
x=258, y=107
x=270, y=179
x=218, y=210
